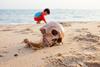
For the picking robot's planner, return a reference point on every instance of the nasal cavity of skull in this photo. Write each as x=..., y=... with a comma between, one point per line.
x=54, y=32
x=59, y=40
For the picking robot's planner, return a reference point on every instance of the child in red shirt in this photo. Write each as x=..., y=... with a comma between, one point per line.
x=39, y=16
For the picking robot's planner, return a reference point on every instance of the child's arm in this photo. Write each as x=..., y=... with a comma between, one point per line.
x=43, y=18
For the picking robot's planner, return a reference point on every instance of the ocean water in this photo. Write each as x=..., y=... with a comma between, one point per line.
x=21, y=16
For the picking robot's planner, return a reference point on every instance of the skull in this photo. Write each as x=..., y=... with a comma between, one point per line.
x=53, y=33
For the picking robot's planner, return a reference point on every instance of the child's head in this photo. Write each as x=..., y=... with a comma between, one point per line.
x=46, y=11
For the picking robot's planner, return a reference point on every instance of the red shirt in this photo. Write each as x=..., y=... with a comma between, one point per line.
x=40, y=18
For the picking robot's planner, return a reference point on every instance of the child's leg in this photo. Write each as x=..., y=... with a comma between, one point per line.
x=38, y=22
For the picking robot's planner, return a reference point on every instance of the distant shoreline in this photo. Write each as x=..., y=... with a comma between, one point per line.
x=51, y=21
x=57, y=15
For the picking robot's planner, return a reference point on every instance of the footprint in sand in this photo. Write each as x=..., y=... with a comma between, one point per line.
x=93, y=63
x=3, y=52
x=88, y=37
x=98, y=26
x=71, y=61
x=65, y=24
x=25, y=31
x=81, y=30
x=6, y=30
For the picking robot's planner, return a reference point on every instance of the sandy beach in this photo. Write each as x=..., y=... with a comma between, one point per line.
x=80, y=48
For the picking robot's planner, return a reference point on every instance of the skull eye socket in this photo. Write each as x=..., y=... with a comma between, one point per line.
x=54, y=32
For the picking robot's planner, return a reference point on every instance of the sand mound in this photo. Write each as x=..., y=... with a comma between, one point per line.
x=88, y=37
x=70, y=61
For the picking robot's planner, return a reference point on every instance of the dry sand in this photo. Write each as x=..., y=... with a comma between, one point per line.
x=81, y=46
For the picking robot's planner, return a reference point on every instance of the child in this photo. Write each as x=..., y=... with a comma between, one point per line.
x=39, y=16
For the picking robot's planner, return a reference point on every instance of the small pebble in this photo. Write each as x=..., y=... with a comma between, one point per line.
x=59, y=54
x=15, y=54
x=1, y=55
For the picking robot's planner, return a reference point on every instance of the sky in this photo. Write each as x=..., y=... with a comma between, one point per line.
x=52, y=4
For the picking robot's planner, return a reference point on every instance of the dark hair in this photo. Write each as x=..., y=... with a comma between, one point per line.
x=47, y=10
